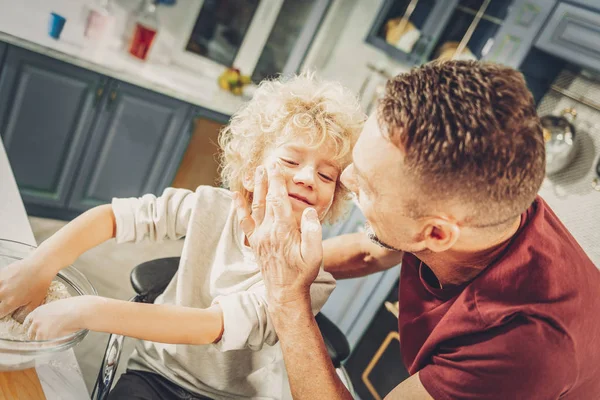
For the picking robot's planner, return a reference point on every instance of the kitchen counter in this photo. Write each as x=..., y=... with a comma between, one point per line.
x=60, y=377
x=172, y=80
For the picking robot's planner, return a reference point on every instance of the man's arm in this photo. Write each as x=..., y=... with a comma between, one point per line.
x=307, y=361
x=410, y=389
x=354, y=255
x=309, y=367
x=290, y=261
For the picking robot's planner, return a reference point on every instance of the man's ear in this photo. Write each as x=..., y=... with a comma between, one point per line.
x=440, y=234
x=248, y=180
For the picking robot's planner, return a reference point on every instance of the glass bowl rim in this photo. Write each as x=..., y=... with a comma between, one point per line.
x=22, y=347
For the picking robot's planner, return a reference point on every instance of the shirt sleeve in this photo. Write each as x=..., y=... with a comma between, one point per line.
x=247, y=323
x=153, y=218
x=526, y=359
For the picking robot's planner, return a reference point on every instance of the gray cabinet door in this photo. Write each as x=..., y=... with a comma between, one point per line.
x=130, y=146
x=513, y=41
x=428, y=17
x=573, y=33
x=2, y=51
x=46, y=108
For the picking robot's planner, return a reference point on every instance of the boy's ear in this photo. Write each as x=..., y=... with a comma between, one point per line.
x=248, y=180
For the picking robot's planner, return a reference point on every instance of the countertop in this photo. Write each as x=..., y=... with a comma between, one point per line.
x=26, y=31
x=60, y=377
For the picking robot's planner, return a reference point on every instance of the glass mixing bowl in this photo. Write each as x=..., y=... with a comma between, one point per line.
x=17, y=354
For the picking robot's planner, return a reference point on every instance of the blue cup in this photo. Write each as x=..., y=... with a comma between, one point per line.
x=55, y=25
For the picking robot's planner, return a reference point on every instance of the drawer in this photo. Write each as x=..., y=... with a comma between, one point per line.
x=573, y=33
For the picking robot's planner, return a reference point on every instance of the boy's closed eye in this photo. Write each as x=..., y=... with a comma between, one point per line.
x=325, y=176
x=289, y=162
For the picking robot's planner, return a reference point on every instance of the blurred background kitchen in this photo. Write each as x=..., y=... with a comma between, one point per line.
x=102, y=99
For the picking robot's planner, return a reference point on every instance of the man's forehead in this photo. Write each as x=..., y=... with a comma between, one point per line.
x=371, y=143
x=375, y=156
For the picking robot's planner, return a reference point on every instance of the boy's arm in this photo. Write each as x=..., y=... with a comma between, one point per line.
x=247, y=323
x=153, y=322
x=24, y=283
x=126, y=219
x=354, y=255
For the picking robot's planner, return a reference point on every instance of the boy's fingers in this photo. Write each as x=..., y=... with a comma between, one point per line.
x=22, y=312
x=5, y=308
x=278, y=202
x=259, y=196
x=311, y=246
x=243, y=214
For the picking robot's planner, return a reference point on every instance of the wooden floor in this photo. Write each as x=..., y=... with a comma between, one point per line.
x=107, y=267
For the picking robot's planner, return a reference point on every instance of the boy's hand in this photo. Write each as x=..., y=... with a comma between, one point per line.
x=23, y=287
x=59, y=318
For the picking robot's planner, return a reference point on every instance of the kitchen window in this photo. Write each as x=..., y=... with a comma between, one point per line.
x=262, y=38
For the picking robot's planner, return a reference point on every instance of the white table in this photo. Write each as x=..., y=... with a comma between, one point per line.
x=60, y=377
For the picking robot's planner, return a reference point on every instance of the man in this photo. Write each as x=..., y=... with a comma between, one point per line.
x=497, y=300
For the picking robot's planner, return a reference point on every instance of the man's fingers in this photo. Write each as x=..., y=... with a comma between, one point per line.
x=278, y=201
x=311, y=247
x=243, y=214
x=259, y=196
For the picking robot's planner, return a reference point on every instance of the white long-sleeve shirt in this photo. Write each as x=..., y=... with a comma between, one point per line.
x=215, y=266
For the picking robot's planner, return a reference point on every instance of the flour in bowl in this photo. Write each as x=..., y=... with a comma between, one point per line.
x=11, y=329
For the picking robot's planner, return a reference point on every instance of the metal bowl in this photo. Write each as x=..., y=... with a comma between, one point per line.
x=17, y=354
x=560, y=139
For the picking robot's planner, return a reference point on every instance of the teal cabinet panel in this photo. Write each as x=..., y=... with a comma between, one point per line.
x=46, y=109
x=3, y=47
x=573, y=33
x=131, y=145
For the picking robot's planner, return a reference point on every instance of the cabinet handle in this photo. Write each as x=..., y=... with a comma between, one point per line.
x=111, y=98
x=98, y=92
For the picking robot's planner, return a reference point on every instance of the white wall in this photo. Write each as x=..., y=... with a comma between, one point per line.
x=36, y=12
x=339, y=51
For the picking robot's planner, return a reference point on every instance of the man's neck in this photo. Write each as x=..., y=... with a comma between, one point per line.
x=455, y=267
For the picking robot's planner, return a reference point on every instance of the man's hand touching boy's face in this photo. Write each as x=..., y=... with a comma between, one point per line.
x=289, y=257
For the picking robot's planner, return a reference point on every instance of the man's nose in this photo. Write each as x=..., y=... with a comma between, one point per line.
x=305, y=176
x=347, y=178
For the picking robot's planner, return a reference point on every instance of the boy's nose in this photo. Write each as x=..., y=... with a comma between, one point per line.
x=305, y=176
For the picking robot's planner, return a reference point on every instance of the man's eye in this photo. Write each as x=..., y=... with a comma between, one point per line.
x=289, y=162
x=326, y=177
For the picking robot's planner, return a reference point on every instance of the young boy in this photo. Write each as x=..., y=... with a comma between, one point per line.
x=209, y=334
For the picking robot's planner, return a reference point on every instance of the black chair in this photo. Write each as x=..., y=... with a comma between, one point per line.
x=150, y=279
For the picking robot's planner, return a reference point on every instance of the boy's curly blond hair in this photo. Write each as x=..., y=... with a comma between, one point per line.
x=279, y=109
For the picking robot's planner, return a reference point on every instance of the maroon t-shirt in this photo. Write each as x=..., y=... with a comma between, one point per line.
x=527, y=327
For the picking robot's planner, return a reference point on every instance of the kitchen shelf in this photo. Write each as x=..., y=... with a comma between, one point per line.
x=577, y=98
x=486, y=17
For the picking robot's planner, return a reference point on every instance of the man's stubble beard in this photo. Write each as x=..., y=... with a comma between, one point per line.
x=375, y=239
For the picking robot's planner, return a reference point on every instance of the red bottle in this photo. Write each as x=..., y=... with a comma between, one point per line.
x=145, y=28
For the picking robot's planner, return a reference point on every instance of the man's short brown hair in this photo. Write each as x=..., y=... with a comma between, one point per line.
x=470, y=133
